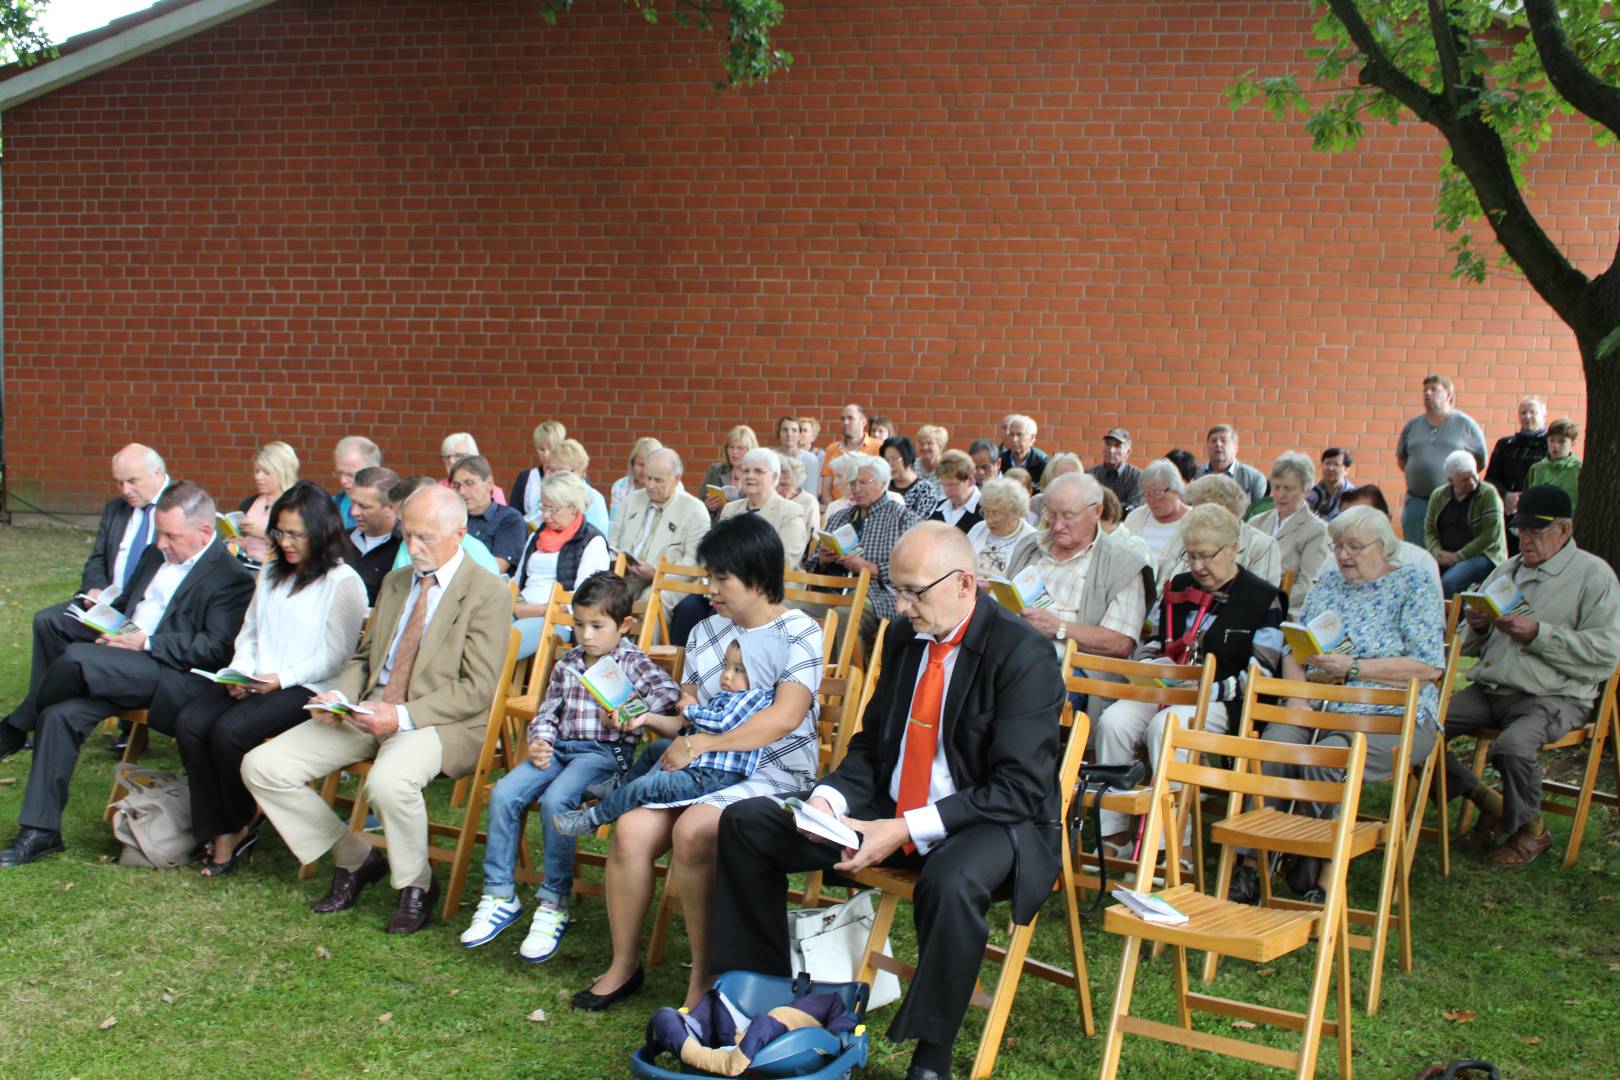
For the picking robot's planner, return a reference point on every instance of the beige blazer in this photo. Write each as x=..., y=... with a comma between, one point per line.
x=457, y=665
x=1303, y=543
x=786, y=517
x=678, y=527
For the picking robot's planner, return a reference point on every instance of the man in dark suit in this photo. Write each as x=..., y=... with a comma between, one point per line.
x=124, y=533
x=953, y=774
x=185, y=602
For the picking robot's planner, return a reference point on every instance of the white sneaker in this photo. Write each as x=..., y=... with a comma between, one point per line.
x=545, y=934
x=494, y=914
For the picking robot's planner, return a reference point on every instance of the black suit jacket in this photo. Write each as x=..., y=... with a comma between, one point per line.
x=199, y=626
x=98, y=569
x=1001, y=727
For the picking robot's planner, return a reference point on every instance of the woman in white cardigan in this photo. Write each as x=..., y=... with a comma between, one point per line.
x=299, y=630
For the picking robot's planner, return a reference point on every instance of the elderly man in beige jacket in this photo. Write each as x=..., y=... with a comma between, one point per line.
x=425, y=671
x=757, y=475
x=662, y=520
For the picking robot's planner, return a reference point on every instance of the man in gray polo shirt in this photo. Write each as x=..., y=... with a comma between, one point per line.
x=1425, y=442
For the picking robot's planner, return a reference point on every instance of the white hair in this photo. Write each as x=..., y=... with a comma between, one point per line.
x=568, y=489
x=149, y=458
x=1365, y=523
x=765, y=458
x=1459, y=463
x=1020, y=418
x=792, y=466
x=459, y=442
x=1090, y=489
x=1297, y=464
x=1164, y=470
x=368, y=451
x=878, y=467
x=1065, y=458
x=448, y=509
x=675, y=459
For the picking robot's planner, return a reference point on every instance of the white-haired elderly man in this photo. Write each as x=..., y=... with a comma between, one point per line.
x=1539, y=673
x=757, y=476
x=425, y=672
x=351, y=455
x=1020, y=452
x=1463, y=529
x=660, y=521
x=879, y=522
x=1099, y=583
x=1301, y=536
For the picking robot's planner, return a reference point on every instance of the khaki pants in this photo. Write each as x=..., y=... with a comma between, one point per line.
x=402, y=764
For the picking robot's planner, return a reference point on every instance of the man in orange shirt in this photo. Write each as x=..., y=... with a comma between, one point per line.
x=855, y=440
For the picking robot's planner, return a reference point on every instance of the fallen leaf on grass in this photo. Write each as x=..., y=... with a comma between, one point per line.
x=103, y=859
x=1244, y=1025
x=168, y=999
x=1265, y=971
x=538, y=1016
x=107, y=1023
x=115, y=974
x=8, y=779
x=1458, y=1016
x=68, y=886
x=456, y=991
x=322, y=952
x=385, y=1017
x=1615, y=966
x=1530, y=1040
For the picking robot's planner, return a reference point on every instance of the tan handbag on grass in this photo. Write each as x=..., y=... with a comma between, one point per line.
x=153, y=821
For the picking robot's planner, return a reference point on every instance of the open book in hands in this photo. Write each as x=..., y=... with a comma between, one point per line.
x=226, y=676
x=612, y=688
x=341, y=707
x=1501, y=596
x=807, y=818
x=1324, y=634
x=841, y=541
x=102, y=617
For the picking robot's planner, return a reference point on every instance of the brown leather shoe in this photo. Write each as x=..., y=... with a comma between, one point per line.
x=1484, y=836
x=415, y=908
x=347, y=884
x=1520, y=849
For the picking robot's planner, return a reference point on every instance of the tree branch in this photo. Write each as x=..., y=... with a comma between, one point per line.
x=1445, y=46
x=1380, y=71
x=1569, y=76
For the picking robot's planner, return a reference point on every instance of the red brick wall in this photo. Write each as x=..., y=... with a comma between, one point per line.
x=411, y=218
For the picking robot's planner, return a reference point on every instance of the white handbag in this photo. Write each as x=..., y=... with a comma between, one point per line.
x=830, y=943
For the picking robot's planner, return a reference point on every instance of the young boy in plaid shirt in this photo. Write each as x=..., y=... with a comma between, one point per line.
x=572, y=745
x=746, y=686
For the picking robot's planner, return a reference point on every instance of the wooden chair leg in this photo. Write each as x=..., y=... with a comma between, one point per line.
x=1115, y=1037
x=1381, y=920
x=995, y=1024
x=1583, y=805
x=666, y=913
x=1346, y=1008
x=1332, y=937
x=458, y=794
x=465, y=841
x=132, y=754
x=1077, y=948
x=1482, y=749
x=1183, y=1010
x=882, y=920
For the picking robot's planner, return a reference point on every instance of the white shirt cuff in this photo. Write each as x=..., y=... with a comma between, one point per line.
x=925, y=826
x=833, y=796
x=404, y=717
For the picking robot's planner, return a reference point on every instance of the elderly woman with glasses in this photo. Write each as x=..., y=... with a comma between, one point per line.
x=566, y=548
x=1214, y=608
x=1160, y=514
x=1301, y=536
x=1396, y=624
x=1463, y=529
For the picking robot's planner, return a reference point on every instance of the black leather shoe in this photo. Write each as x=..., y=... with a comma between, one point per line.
x=11, y=740
x=586, y=1001
x=117, y=747
x=1245, y=887
x=31, y=844
x=347, y=884
x=415, y=908
x=919, y=1072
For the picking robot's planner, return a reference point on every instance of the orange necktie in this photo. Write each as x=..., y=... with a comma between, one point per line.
x=922, y=729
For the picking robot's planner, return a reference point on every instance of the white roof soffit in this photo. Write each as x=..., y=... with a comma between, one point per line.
x=138, y=40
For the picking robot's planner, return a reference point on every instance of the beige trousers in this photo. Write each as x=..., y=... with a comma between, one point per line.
x=402, y=764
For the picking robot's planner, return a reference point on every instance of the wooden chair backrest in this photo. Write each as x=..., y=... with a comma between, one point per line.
x=668, y=578
x=1081, y=671
x=840, y=698
x=1369, y=723
x=1454, y=610
x=829, y=590
x=1287, y=582
x=620, y=561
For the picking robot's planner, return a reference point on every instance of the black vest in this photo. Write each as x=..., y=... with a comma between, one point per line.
x=567, y=557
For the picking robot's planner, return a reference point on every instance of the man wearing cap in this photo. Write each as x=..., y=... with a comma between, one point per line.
x=1541, y=667
x=1116, y=473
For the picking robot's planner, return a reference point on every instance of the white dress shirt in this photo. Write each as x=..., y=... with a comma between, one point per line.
x=131, y=530
x=953, y=513
x=439, y=580
x=159, y=592
x=1277, y=526
x=923, y=822
x=365, y=543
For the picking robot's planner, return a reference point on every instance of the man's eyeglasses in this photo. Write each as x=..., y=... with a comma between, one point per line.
x=911, y=596
x=1518, y=531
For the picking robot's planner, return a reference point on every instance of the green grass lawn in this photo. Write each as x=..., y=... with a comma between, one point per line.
x=113, y=972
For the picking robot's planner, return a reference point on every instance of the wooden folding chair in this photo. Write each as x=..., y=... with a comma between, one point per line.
x=466, y=833
x=874, y=668
x=897, y=885
x=838, y=591
x=1566, y=800
x=1256, y=934
x=655, y=639
x=1268, y=829
x=1084, y=673
x=133, y=749
x=1434, y=770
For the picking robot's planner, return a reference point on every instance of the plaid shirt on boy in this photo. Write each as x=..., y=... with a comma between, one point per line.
x=569, y=711
x=724, y=712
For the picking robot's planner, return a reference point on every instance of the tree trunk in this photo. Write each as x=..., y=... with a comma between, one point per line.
x=1597, y=515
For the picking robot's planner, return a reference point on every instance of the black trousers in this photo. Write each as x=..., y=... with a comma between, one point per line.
x=685, y=616
x=758, y=847
x=214, y=732
x=53, y=633
x=84, y=686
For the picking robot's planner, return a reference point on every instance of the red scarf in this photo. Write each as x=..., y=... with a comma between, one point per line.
x=551, y=540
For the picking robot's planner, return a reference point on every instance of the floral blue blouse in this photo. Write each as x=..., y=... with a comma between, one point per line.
x=1399, y=614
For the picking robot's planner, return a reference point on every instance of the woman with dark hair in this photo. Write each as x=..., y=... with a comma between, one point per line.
x=300, y=628
x=920, y=495
x=743, y=558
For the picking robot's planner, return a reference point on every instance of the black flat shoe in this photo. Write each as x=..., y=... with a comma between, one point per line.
x=1245, y=887
x=239, y=854
x=31, y=844
x=586, y=1001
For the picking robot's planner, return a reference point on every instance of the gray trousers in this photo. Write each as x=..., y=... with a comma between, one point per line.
x=1380, y=750
x=1527, y=722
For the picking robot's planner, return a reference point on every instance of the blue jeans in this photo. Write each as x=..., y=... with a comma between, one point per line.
x=1465, y=575
x=529, y=635
x=647, y=783
x=1413, y=515
x=575, y=765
